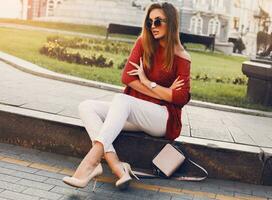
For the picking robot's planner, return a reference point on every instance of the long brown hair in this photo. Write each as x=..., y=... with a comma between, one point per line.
x=171, y=38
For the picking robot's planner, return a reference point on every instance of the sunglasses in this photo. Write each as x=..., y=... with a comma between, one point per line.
x=157, y=22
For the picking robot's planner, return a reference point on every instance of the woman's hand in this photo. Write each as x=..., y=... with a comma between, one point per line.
x=177, y=84
x=138, y=71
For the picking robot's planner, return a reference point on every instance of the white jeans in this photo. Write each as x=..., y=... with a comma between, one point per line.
x=105, y=120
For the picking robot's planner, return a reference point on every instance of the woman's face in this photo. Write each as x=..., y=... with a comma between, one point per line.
x=158, y=29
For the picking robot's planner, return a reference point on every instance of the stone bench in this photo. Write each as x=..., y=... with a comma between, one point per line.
x=259, y=88
x=66, y=135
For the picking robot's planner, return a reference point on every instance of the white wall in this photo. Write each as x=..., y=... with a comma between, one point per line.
x=10, y=9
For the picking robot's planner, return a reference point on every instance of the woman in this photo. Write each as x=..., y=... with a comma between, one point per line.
x=157, y=87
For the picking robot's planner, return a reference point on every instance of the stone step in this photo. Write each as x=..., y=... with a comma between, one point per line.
x=66, y=135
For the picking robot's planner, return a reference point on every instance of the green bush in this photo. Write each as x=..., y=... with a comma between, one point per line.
x=91, y=44
x=55, y=50
x=68, y=50
x=236, y=80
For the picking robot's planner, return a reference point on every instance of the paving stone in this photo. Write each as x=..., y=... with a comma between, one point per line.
x=16, y=161
x=243, y=191
x=17, y=196
x=69, y=191
x=140, y=192
x=5, y=147
x=100, y=192
x=163, y=196
x=35, y=184
x=182, y=197
x=30, y=176
x=89, y=187
x=8, y=178
x=57, y=182
x=42, y=193
x=72, y=197
x=10, y=153
x=202, y=198
x=11, y=186
x=192, y=186
x=210, y=189
x=226, y=193
x=250, y=197
x=44, y=106
x=34, y=158
x=49, y=175
x=15, y=101
x=45, y=167
x=269, y=193
x=161, y=182
x=24, y=150
x=99, y=196
x=21, y=174
x=108, y=187
x=261, y=194
x=17, y=167
x=7, y=171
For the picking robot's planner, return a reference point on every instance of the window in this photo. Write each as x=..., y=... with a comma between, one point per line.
x=236, y=23
x=217, y=4
x=51, y=6
x=237, y=3
x=214, y=26
x=196, y=25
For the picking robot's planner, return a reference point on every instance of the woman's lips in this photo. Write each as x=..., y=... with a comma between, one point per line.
x=155, y=32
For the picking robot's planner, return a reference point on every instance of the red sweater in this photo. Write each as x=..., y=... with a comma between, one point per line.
x=181, y=67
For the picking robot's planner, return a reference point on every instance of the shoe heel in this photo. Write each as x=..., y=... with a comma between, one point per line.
x=94, y=185
x=132, y=173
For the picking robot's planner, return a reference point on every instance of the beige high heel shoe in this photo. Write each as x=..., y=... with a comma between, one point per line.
x=81, y=183
x=124, y=181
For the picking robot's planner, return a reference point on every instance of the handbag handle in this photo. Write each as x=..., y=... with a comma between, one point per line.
x=192, y=178
x=179, y=178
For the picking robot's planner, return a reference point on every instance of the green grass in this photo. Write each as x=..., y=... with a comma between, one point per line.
x=100, y=30
x=25, y=44
x=89, y=29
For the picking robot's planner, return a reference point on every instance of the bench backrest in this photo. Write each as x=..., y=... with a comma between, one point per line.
x=123, y=29
x=184, y=37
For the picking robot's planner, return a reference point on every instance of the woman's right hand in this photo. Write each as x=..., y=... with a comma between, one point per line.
x=177, y=84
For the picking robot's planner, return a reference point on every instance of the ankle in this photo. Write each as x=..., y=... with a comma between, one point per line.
x=118, y=170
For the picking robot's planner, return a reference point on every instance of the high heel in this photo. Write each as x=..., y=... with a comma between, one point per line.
x=81, y=183
x=124, y=181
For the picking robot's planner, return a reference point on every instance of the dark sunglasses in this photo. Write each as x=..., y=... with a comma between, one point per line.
x=157, y=22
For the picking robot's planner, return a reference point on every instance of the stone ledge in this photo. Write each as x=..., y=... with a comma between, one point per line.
x=65, y=135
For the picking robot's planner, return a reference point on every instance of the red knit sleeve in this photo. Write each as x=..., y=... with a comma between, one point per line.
x=182, y=96
x=135, y=55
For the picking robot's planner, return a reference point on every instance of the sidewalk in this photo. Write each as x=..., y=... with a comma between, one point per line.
x=60, y=98
x=28, y=174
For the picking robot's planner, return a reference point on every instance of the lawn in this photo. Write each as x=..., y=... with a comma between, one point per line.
x=26, y=44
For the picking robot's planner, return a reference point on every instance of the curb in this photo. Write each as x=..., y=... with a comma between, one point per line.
x=67, y=136
x=31, y=68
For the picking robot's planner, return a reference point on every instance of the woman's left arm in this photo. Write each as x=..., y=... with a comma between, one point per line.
x=178, y=92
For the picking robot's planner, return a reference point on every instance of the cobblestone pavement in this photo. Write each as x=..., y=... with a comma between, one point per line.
x=33, y=174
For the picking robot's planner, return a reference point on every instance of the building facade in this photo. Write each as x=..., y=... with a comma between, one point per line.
x=227, y=20
x=206, y=17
